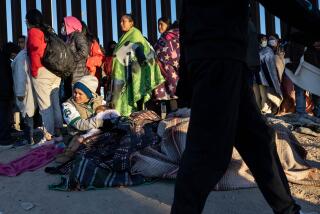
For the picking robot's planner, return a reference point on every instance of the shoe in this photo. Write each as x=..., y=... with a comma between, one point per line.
x=266, y=109
x=31, y=142
x=58, y=139
x=43, y=142
x=20, y=143
x=64, y=157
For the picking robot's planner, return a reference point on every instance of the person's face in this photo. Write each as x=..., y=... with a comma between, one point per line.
x=21, y=43
x=273, y=41
x=162, y=27
x=79, y=96
x=125, y=24
x=264, y=39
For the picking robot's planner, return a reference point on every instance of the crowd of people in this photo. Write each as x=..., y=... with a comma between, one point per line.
x=130, y=75
x=70, y=79
x=274, y=91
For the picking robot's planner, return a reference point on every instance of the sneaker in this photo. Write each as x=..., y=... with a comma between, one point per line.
x=266, y=109
x=43, y=142
x=20, y=143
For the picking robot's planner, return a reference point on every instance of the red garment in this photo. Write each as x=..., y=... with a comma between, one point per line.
x=95, y=59
x=35, y=45
x=108, y=65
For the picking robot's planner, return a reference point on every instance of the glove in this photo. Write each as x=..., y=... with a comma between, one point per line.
x=108, y=114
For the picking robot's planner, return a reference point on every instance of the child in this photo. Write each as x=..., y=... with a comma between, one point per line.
x=102, y=112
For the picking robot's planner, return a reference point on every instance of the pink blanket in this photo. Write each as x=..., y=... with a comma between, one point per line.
x=31, y=161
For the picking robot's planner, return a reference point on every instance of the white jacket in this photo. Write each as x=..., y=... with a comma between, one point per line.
x=22, y=84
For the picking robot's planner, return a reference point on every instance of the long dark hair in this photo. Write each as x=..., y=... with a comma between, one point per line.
x=109, y=49
x=165, y=20
x=85, y=30
x=35, y=18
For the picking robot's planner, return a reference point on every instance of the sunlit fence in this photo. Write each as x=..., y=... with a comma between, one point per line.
x=102, y=16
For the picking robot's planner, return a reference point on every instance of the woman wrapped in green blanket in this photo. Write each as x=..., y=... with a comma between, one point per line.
x=135, y=72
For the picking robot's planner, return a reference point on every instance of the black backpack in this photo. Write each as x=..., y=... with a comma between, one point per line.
x=58, y=57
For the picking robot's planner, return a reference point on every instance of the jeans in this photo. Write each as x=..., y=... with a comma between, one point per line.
x=28, y=128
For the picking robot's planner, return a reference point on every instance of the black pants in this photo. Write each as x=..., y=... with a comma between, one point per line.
x=224, y=115
x=5, y=122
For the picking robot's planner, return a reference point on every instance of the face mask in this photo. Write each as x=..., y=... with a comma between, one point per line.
x=264, y=44
x=272, y=43
x=63, y=31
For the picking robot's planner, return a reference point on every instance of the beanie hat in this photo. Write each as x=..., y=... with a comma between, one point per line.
x=88, y=84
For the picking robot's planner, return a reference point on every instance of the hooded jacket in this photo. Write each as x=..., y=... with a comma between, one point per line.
x=79, y=46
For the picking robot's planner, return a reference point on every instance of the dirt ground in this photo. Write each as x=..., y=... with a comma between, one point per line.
x=32, y=187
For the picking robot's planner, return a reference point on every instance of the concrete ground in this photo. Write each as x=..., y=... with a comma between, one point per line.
x=154, y=198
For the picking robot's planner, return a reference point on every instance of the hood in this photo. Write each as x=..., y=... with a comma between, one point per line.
x=72, y=24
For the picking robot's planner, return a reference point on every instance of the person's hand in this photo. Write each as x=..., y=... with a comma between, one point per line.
x=20, y=98
x=79, y=140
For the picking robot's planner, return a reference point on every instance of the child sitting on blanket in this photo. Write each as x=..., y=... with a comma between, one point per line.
x=84, y=114
x=101, y=112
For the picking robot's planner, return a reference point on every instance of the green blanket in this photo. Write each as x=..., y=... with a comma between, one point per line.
x=135, y=72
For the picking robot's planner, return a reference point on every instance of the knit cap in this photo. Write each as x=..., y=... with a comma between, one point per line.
x=88, y=84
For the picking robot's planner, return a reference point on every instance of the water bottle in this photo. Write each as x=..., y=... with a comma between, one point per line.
x=163, y=110
x=102, y=92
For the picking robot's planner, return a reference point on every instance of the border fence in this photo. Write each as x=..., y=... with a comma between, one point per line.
x=107, y=15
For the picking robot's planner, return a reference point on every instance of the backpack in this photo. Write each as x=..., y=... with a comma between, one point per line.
x=58, y=57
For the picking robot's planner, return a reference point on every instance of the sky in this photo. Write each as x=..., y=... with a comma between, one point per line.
x=114, y=18
x=84, y=15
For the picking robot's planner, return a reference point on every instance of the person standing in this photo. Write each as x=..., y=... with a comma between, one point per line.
x=135, y=72
x=24, y=94
x=79, y=45
x=213, y=68
x=7, y=54
x=45, y=83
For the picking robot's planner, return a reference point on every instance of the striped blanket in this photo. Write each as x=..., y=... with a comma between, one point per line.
x=105, y=159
